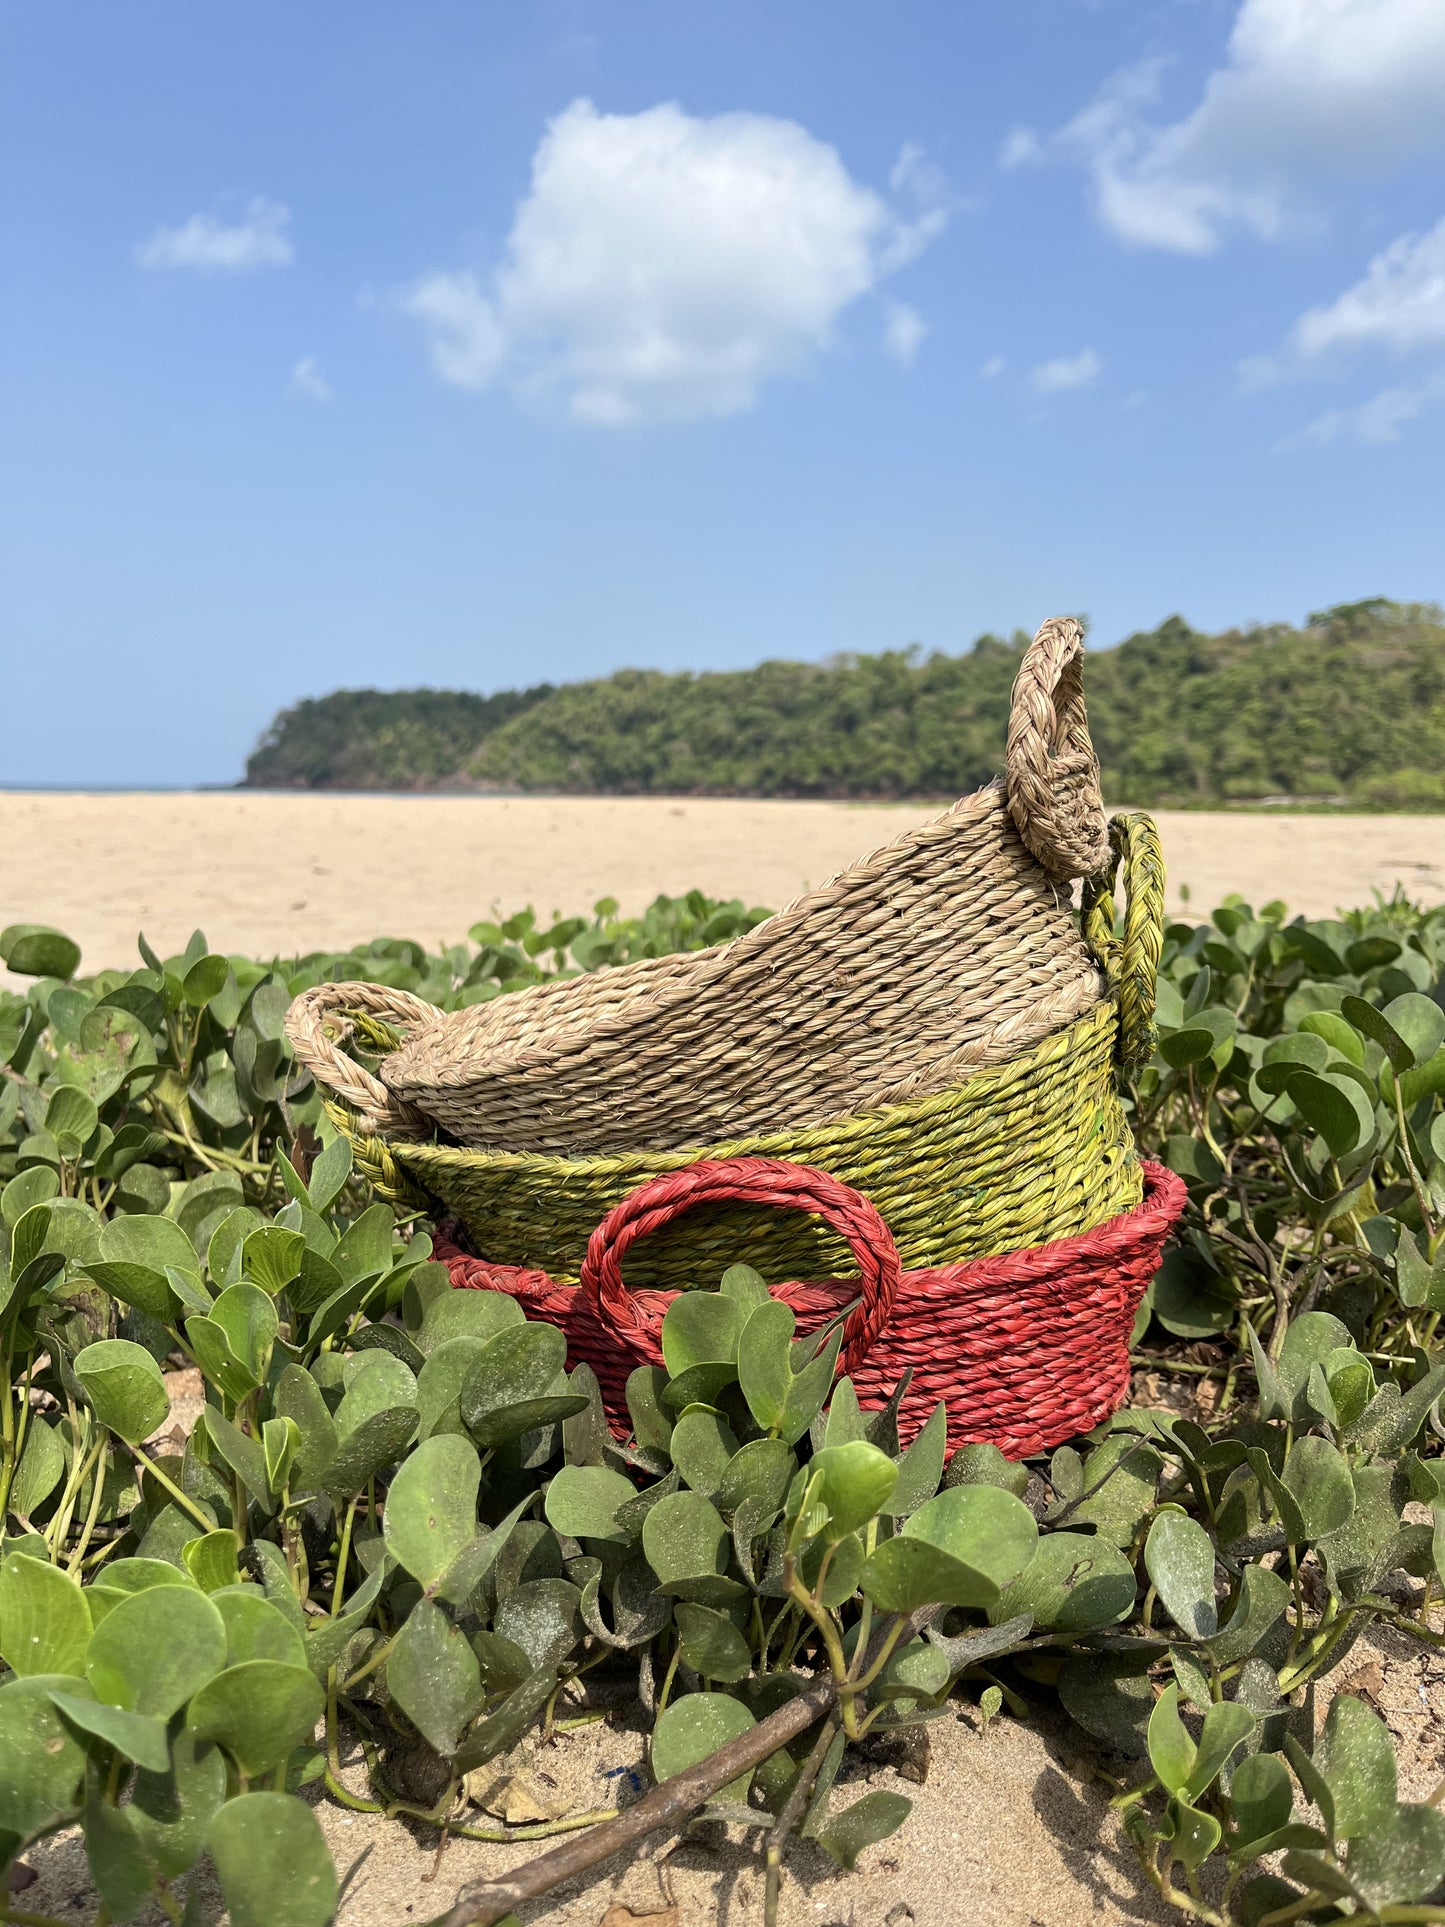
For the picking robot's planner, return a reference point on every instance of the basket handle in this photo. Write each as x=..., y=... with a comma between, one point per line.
x=745, y=1180
x=1131, y=963
x=333, y=1008
x=1052, y=772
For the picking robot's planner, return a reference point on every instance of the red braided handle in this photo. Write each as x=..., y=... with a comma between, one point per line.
x=740, y=1181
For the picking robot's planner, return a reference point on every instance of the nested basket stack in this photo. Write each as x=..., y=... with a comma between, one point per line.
x=923, y=1059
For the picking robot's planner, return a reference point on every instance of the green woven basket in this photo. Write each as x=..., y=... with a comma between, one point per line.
x=1020, y=1154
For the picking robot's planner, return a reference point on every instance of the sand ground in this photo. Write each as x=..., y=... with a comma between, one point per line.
x=280, y=874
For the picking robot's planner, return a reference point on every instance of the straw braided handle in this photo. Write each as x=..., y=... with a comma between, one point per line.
x=1052, y=772
x=334, y=1008
x=1132, y=965
x=740, y=1181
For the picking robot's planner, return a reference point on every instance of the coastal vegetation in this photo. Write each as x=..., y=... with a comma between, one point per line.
x=1347, y=711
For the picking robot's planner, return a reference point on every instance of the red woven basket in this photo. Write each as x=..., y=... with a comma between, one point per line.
x=1027, y=1348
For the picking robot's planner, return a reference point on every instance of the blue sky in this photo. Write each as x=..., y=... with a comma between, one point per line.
x=472, y=345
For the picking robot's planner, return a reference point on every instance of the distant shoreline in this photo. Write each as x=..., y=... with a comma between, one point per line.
x=1257, y=806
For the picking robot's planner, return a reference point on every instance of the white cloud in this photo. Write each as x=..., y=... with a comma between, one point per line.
x=1057, y=377
x=1021, y=148
x=307, y=382
x=903, y=332
x=212, y=246
x=664, y=266
x=1397, y=307
x=992, y=368
x=1309, y=89
x=1382, y=418
x=1398, y=304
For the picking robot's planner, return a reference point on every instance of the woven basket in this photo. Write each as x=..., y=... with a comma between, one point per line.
x=1035, y=1149
x=948, y=950
x=1027, y=1349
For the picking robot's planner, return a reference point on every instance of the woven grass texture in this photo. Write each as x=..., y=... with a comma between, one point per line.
x=1027, y=1347
x=1023, y=1152
x=951, y=949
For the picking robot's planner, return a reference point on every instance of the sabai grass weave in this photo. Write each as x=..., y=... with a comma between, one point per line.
x=1022, y=1153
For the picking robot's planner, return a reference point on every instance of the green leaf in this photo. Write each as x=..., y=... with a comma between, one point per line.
x=329, y=1174
x=35, y=950
x=1195, y=1834
x=1262, y=1599
x=467, y=1314
x=702, y=1328
x=1356, y=1756
x=582, y=1501
x=211, y=1560
x=1333, y=1105
x=155, y=1649
x=243, y=1454
x=984, y=1464
x=855, y=1482
x=1179, y=1556
x=1227, y=1725
x=1120, y=1478
x=440, y=1380
x=171, y=1810
x=1402, y=1861
x=43, y=1759
x=297, y=1396
x=1074, y=1583
x=1110, y=1696
x=1261, y=1799
x=508, y=1390
x=1417, y=1282
x=760, y=1472
x=376, y=1443
x=136, y=1735
x=431, y=1507
x=271, y=1257
x=114, y=1857
x=694, y=1726
x=501, y=1731
x=1318, y=1478
x=42, y=1466
x=1171, y=1751
x=433, y=1675
x=686, y=1544
x=765, y=1369
x=256, y=1629
x=711, y=1644
x=869, y=1820
x=702, y=1448
x=124, y=1386
x=44, y=1618
x=259, y=1711
x=280, y=1442
x=961, y=1548
x=205, y=980
x=272, y=1862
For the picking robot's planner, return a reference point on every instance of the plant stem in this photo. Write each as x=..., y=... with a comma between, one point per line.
x=792, y=1812
x=666, y=1806
x=161, y=1478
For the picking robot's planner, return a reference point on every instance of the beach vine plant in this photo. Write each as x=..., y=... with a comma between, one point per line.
x=401, y=1531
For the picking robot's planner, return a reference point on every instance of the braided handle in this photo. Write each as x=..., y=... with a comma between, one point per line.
x=1131, y=964
x=1052, y=772
x=796, y=1187
x=323, y=1018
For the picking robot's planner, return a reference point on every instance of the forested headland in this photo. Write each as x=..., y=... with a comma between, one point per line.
x=1349, y=709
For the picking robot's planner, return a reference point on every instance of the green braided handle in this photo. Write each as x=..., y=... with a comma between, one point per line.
x=1131, y=963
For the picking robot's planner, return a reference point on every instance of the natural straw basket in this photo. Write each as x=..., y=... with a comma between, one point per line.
x=1026, y=1348
x=1034, y=1149
x=948, y=950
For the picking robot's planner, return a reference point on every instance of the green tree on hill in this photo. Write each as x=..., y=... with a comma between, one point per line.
x=1352, y=705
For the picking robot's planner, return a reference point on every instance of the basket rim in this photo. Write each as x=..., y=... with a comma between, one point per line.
x=974, y=1092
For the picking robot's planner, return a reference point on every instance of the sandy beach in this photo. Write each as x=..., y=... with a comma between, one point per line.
x=276, y=874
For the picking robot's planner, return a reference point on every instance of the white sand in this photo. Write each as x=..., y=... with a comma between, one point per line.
x=276, y=874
